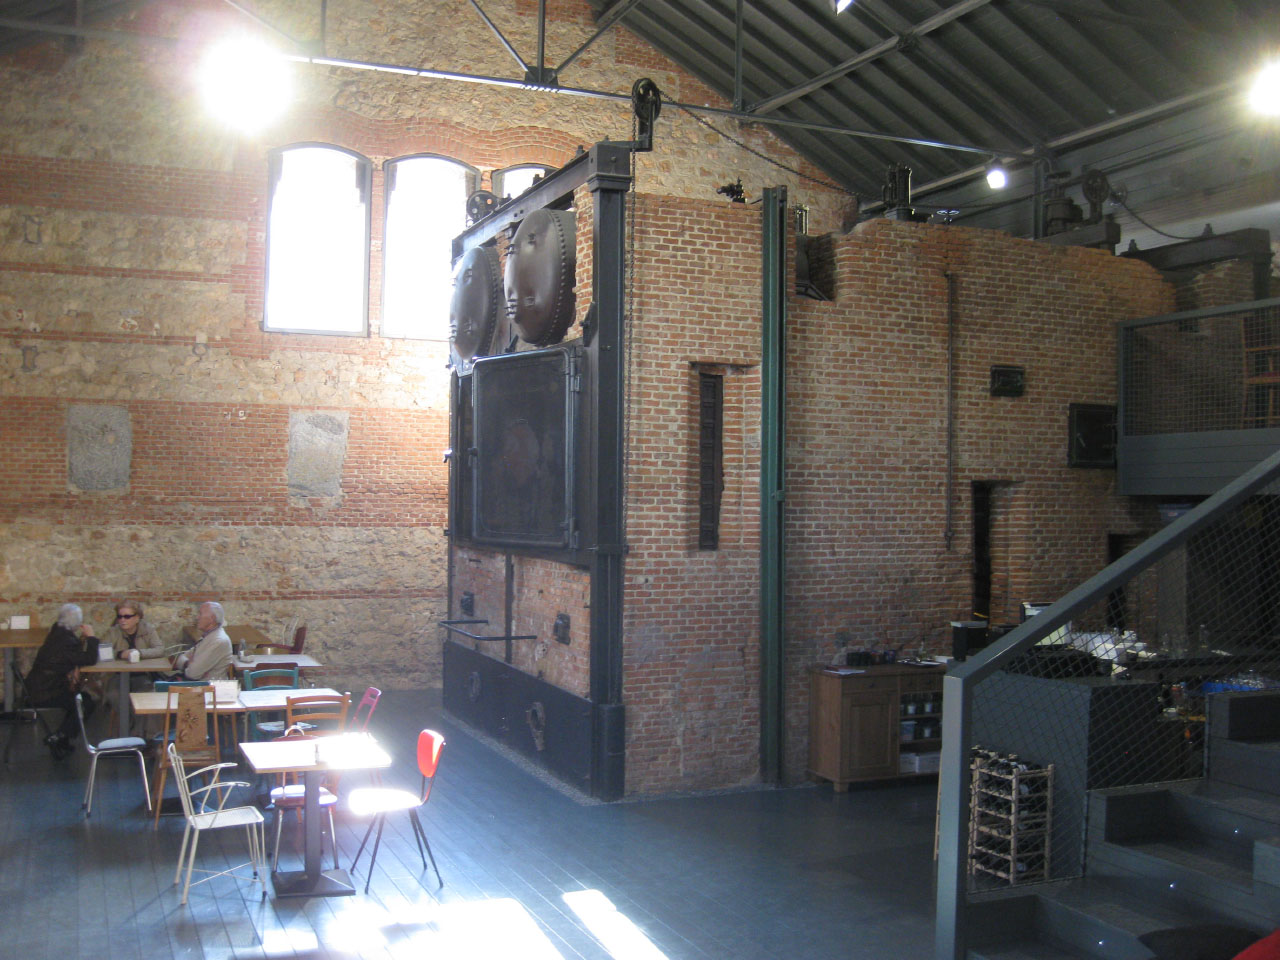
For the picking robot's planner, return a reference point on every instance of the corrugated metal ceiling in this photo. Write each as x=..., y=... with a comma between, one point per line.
x=1146, y=90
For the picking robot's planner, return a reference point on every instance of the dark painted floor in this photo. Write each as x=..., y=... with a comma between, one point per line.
x=529, y=872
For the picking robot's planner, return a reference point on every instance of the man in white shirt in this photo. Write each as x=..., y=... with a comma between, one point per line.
x=210, y=657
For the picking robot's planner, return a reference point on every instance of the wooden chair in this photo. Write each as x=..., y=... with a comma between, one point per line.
x=187, y=710
x=379, y=801
x=324, y=713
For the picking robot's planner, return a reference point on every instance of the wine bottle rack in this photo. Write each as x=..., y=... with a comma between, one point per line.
x=1011, y=819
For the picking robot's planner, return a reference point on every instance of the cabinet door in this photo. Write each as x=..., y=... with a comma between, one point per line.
x=871, y=725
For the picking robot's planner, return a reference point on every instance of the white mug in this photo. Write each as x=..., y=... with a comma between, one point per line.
x=134, y=656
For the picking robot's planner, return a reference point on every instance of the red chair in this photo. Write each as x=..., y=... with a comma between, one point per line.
x=293, y=796
x=299, y=638
x=379, y=801
x=360, y=719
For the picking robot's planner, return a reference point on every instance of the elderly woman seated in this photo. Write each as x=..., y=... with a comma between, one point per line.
x=54, y=679
x=132, y=631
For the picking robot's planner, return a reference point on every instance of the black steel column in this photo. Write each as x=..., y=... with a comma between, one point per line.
x=609, y=181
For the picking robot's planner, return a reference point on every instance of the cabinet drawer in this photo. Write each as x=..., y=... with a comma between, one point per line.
x=922, y=684
x=859, y=684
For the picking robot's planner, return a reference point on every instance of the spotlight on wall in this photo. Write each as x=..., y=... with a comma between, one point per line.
x=997, y=176
x=1264, y=94
x=245, y=83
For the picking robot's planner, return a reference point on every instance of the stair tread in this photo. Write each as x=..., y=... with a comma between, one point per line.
x=1112, y=902
x=1201, y=856
x=1244, y=800
x=1027, y=949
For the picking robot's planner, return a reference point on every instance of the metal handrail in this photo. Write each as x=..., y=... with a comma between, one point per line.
x=452, y=626
x=961, y=678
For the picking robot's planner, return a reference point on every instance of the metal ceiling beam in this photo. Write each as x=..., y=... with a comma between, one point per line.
x=429, y=74
x=611, y=16
x=1071, y=139
x=501, y=39
x=867, y=56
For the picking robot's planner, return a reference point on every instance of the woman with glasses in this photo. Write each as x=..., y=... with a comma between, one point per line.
x=132, y=632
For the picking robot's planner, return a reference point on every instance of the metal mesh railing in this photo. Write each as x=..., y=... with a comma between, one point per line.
x=1215, y=369
x=1107, y=686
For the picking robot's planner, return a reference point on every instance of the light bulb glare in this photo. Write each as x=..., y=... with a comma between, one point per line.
x=1264, y=94
x=245, y=83
x=997, y=179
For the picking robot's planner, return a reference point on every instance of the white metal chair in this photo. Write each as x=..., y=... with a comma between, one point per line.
x=115, y=747
x=199, y=816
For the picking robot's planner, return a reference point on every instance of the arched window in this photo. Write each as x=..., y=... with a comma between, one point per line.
x=318, y=240
x=426, y=209
x=514, y=181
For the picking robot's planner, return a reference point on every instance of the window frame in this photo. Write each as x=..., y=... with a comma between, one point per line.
x=497, y=176
x=472, y=178
x=275, y=169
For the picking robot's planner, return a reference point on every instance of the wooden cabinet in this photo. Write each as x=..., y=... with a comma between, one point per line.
x=855, y=721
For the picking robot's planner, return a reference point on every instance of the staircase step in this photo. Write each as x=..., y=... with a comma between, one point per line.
x=1253, y=764
x=1097, y=918
x=1030, y=950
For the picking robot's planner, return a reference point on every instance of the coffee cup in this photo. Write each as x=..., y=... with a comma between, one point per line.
x=134, y=656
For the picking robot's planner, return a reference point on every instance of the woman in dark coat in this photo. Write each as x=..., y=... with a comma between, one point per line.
x=54, y=679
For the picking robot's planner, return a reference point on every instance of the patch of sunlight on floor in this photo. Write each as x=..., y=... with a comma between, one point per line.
x=491, y=930
x=620, y=936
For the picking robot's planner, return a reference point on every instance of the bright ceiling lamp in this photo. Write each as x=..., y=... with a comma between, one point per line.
x=842, y=5
x=245, y=83
x=997, y=177
x=1264, y=95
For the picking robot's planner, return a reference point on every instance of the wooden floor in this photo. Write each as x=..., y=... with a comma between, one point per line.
x=529, y=871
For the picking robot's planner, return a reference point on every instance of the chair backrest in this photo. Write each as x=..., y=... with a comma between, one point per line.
x=360, y=719
x=299, y=638
x=273, y=678
x=430, y=746
x=180, y=776
x=191, y=718
x=326, y=710
x=84, y=734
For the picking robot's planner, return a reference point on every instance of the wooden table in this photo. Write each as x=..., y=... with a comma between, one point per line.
x=123, y=669
x=11, y=640
x=313, y=759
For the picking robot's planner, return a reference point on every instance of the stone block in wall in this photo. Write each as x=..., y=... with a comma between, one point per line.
x=49, y=303
x=317, y=448
x=99, y=446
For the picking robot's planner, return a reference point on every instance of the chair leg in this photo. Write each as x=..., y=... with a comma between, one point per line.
x=275, y=855
x=413, y=816
x=333, y=838
x=160, y=777
x=88, y=789
x=146, y=787
x=373, y=857
x=191, y=862
x=182, y=854
x=372, y=823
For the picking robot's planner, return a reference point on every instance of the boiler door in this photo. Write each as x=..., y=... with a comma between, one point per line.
x=473, y=313
x=539, y=280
